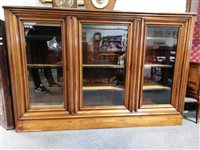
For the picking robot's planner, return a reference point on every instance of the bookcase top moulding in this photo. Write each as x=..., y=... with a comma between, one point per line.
x=77, y=11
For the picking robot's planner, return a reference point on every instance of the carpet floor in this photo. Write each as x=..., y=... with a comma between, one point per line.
x=185, y=136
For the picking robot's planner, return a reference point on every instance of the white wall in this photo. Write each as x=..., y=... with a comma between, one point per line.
x=151, y=5
x=20, y=3
x=127, y=5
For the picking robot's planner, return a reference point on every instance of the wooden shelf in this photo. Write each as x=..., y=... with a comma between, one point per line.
x=155, y=87
x=43, y=37
x=44, y=65
x=163, y=38
x=107, y=54
x=119, y=51
x=157, y=65
x=48, y=105
x=102, y=66
x=116, y=88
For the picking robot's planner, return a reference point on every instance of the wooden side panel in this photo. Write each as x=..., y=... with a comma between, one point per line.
x=186, y=61
x=14, y=55
x=5, y=89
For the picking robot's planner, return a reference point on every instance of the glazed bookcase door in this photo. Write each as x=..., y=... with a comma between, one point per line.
x=38, y=61
x=104, y=64
x=44, y=64
x=160, y=57
x=162, y=72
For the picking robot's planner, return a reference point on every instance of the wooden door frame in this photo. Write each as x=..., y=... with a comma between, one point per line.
x=180, y=71
x=127, y=85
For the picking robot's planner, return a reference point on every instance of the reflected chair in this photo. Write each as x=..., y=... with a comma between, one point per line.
x=193, y=86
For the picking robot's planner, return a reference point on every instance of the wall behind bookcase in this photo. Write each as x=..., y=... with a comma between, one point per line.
x=126, y=5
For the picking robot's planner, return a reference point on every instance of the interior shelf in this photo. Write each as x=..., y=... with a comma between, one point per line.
x=111, y=51
x=48, y=105
x=161, y=37
x=157, y=65
x=47, y=37
x=44, y=65
x=108, y=54
x=102, y=66
x=116, y=88
x=155, y=87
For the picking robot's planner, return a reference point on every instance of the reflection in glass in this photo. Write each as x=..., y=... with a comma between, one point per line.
x=44, y=64
x=104, y=63
x=161, y=46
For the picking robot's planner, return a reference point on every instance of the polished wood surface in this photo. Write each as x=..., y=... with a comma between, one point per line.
x=5, y=89
x=188, y=5
x=193, y=85
x=94, y=123
x=75, y=115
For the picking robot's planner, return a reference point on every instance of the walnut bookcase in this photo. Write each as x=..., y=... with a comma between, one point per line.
x=139, y=80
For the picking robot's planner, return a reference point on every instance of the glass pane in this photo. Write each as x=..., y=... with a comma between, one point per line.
x=161, y=46
x=104, y=63
x=44, y=64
